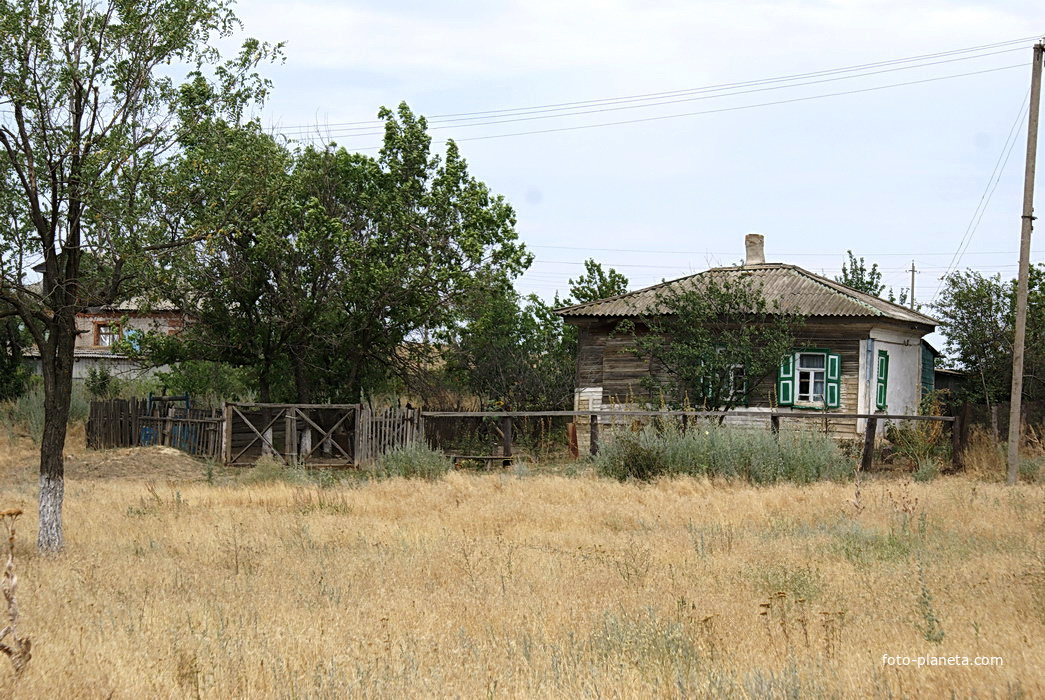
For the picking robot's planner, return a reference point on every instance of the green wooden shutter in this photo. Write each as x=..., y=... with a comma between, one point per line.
x=881, y=387
x=785, y=383
x=833, y=385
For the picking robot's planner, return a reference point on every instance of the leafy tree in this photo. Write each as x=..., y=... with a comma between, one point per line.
x=515, y=350
x=977, y=316
x=974, y=314
x=510, y=352
x=595, y=283
x=856, y=275
x=712, y=341
x=89, y=115
x=318, y=269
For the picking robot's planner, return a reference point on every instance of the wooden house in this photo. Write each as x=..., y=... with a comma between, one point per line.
x=855, y=353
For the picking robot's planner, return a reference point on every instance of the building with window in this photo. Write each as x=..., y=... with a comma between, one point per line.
x=100, y=330
x=854, y=353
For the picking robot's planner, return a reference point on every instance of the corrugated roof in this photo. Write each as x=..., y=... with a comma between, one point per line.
x=797, y=291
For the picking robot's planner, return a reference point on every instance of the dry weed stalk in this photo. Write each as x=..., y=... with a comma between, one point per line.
x=18, y=650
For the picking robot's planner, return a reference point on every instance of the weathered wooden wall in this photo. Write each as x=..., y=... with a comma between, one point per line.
x=606, y=359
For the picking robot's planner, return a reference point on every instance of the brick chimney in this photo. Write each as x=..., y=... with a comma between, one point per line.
x=754, y=247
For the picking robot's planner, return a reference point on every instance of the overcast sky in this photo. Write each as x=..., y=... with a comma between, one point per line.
x=894, y=174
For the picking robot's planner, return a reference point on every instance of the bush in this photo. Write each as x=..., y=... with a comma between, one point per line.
x=414, y=461
x=756, y=455
x=270, y=469
x=101, y=384
x=27, y=411
x=928, y=469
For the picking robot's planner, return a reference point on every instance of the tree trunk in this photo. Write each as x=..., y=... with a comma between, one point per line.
x=301, y=382
x=57, y=365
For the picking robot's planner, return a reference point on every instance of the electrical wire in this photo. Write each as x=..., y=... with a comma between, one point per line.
x=988, y=192
x=600, y=110
x=806, y=98
x=456, y=116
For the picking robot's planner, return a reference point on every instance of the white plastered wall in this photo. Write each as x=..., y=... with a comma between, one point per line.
x=904, y=385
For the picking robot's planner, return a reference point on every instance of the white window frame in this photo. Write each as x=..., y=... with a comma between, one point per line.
x=811, y=398
x=108, y=334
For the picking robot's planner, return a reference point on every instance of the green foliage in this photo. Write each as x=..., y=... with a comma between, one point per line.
x=14, y=375
x=208, y=383
x=927, y=470
x=856, y=275
x=932, y=630
x=511, y=352
x=91, y=113
x=414, y=461
x=101, y=384
x=326, y=271
x=26, y=413
x=595, y=284
x=712, y=340
x=977, y=315
x=715, y=450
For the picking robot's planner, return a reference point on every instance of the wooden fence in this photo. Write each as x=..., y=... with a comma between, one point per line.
x=380, y=432
x=350, y=434
x=141, y=422
x=959, y=429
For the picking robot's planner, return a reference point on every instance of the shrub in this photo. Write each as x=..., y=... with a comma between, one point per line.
x=928, y=469
x=101, y=384
x=270, y=469
x=27, y=411
x=414, y=461
x=756, y=455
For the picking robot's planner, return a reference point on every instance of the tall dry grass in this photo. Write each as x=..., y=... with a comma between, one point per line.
x=493, y=585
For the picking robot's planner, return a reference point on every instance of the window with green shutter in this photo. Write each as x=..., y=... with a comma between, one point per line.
x=810, y=378
x=881, y=387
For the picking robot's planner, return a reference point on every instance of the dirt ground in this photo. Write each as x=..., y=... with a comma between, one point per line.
x=20, y=460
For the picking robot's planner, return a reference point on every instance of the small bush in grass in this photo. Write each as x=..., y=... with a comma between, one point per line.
x=756, y=455
x=269, y=469
x=414, y=461
x=928, y=469
x=27, y=411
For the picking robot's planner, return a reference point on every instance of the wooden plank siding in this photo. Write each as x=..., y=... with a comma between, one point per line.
x=608, y=360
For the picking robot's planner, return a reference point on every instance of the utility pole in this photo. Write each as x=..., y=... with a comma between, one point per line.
x=1015, y=400
x=912, y=271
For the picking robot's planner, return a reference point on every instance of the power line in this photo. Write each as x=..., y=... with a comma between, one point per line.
x=599, y=110
x=656, y=95
x=790, y=255
x=714, y=111
x=988, y=192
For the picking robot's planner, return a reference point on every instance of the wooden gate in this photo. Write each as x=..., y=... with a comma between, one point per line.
x=382, y=431
x=291, y=433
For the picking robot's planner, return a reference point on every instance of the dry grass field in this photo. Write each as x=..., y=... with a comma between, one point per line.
x=500, y=585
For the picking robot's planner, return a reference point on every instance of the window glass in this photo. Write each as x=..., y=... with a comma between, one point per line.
x=811, y=361
x=811, y=377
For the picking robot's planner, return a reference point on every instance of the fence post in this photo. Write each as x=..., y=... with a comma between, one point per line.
x=506, y=435
x=956, y=442
x=226, y=434
x=774, y=424
x=594, y=435
x=868, y=456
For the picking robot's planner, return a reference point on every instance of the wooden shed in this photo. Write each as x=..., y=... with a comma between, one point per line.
x=855, y=353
